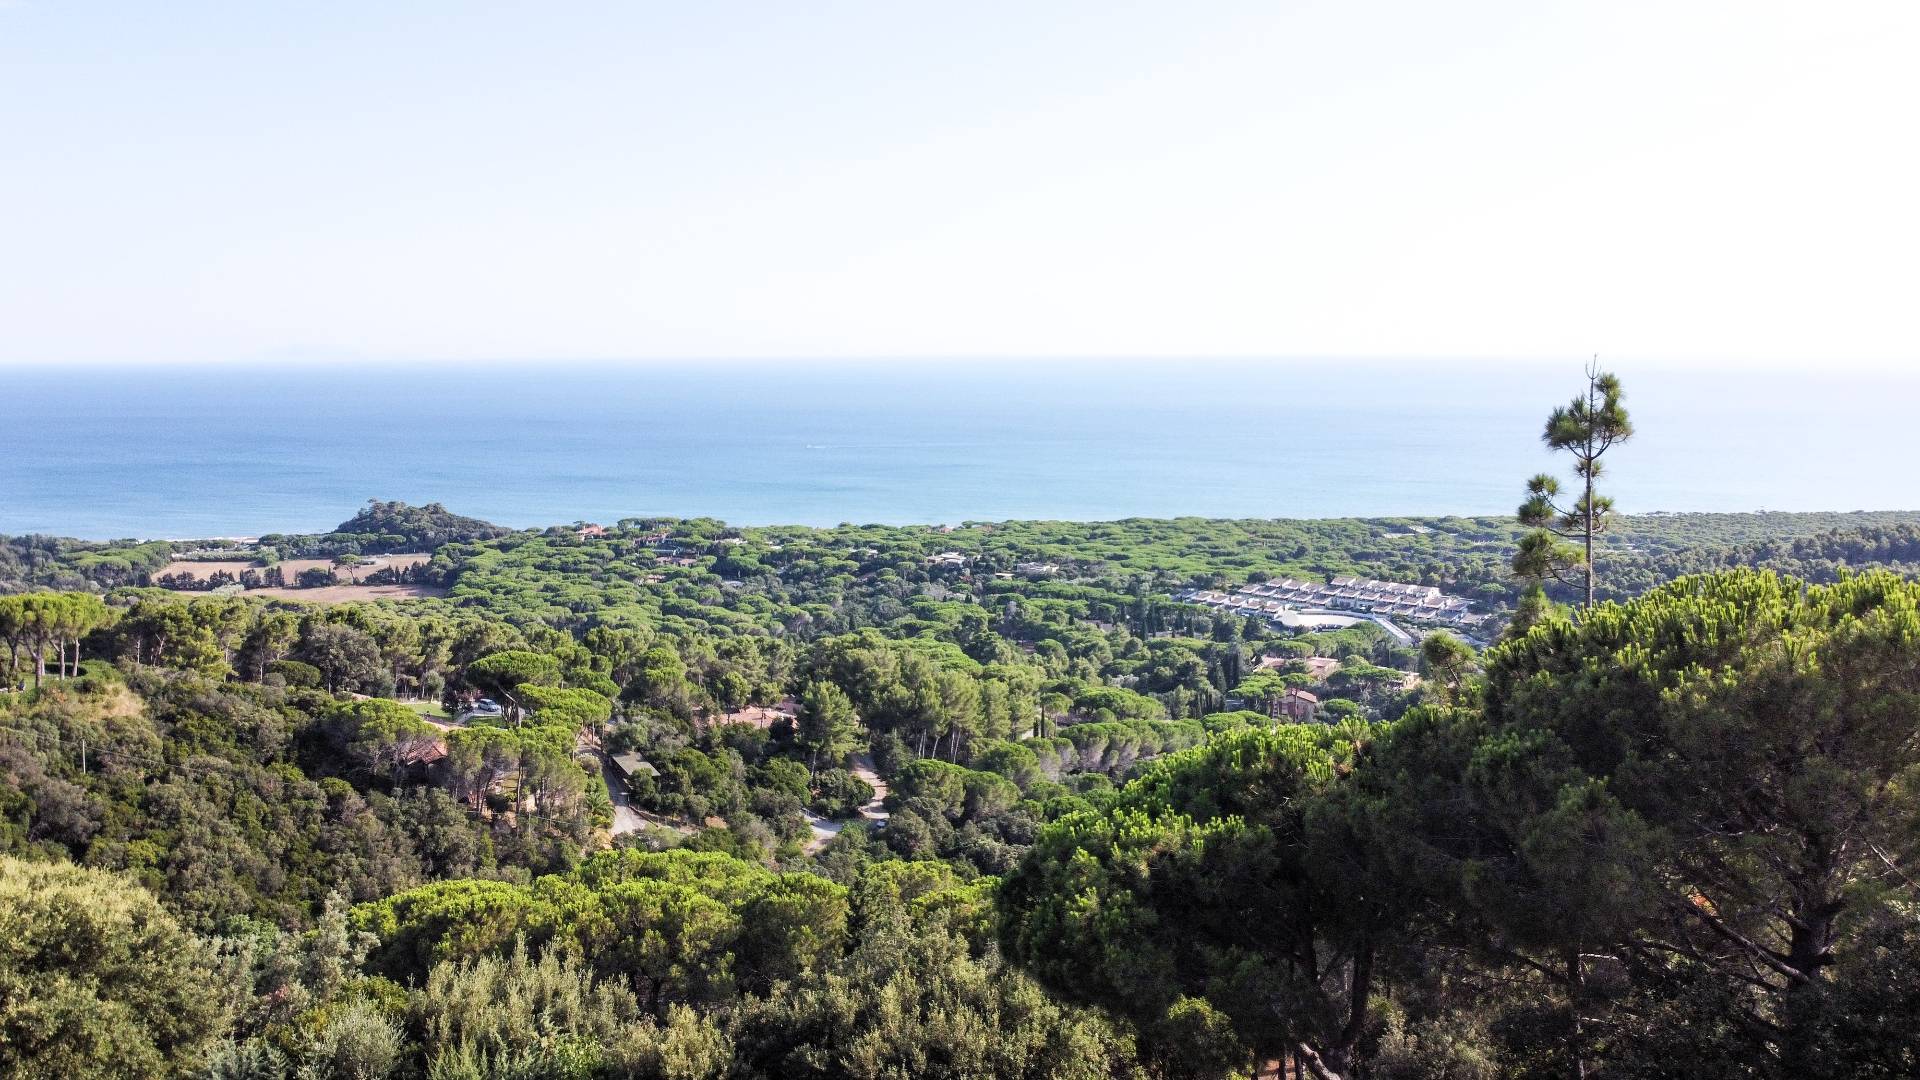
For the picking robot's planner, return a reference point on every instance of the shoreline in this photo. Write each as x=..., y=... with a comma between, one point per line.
x=957, y=524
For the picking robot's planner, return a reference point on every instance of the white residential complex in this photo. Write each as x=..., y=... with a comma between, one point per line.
x=1392, y=599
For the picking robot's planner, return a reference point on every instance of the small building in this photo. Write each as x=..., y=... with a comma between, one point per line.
x=631, y=764
x=1320, y=668
x=422, y=757
x=1298, y=705
x=423, y=754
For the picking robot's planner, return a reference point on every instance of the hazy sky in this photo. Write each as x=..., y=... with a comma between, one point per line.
x=232, y=182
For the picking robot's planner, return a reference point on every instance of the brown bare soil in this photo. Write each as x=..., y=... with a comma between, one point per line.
x=760, y=716
x=338, y=594
x=344, y=592
x=290, y=567
x=201, y=570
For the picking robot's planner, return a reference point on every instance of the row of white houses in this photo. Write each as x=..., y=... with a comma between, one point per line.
x=1415, y=603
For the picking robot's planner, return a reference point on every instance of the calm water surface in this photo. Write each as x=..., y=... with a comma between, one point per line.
x=220, y=452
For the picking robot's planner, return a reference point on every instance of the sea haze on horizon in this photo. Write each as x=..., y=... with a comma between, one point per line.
x=178, y=453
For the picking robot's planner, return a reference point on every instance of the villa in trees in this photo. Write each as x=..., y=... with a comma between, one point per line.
x=1297, y=705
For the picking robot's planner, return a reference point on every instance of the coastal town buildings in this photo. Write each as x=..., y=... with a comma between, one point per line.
x=1363, y=596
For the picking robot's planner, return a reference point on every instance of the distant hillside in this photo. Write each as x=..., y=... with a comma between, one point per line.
x=54, y=562
x=1821, y=558
x=1468, y=556
x=384, y=527
x=396, y=526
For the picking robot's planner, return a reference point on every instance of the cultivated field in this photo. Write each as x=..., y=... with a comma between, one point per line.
x=290, y=567
x=326, y=594
x=335, y=594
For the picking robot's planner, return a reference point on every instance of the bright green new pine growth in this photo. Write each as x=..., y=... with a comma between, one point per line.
x=1587, y=427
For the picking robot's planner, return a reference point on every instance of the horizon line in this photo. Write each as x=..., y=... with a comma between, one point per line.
x=957, y=523
x=298, y=359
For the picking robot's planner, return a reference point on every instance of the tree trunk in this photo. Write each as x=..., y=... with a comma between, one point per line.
x=520, y=794
x=1576, y=1001
x=1589, y=516
x=1810, y=950
x=1314, y=1064
x=1358, y=1007
x=1586, y=469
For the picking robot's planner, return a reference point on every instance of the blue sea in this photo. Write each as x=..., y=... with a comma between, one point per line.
x=224, y=451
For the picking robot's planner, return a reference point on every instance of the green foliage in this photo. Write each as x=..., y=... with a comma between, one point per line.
x=347, y=657
x=295, y=673
x=376, y=733
x=838, y=793
x=1585, y=429
x=1675, y=830
x=505, y=674
x=1738, y=773
x=355, y=1042
x=913, y=1002
x=395, y=526
x=676, y=926
x=96, y=979
x=562, y=707
x=47, y=562
x=1447, y=663
x=828, y=725
x=42, y=622
x=1203, y=881
x=498, y=1013
x=958, y=792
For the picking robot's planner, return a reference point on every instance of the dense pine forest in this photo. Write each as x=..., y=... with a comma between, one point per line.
x=979, y=801
x=988, y=541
